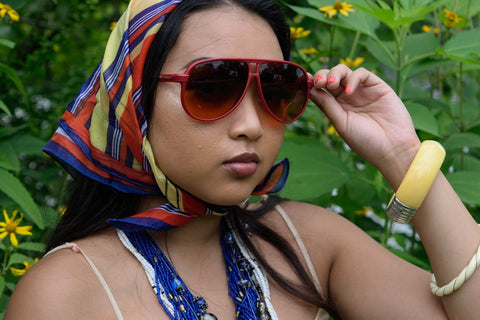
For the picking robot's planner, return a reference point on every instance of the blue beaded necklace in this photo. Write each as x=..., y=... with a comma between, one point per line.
x=180, y=303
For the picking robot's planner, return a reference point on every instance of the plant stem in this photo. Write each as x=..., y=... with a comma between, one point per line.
x=354, y=45
x=386, y=232
x=330, y=49
x=461, y=106
x=5, y=260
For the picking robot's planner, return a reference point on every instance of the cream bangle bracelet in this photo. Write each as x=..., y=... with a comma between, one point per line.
x=417, y=182
x=456, y=283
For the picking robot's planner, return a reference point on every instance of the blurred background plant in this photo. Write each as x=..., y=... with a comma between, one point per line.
x=48, y=48
x=427, y=50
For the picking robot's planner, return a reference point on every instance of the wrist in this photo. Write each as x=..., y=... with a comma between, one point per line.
x=417, y=182
x=395, y=165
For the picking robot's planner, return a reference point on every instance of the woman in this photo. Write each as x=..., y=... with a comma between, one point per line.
x=216, y=116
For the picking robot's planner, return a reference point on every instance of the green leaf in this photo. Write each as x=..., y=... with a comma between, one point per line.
x=463, y=46
x=422, y=118
x=8, y=132
x=32, y=246
x=461, y=140
x=4, y=107
x=356, y=21
x=18, y=258
x=382, y=51
x=7, y=43
x=27, y=144
x=466, y=162
x=403, y=15
x=2, y=286
x=314, y=170
x=428, y=63
x=419, y=46
x=8, y=157
x=467, y=185
x=13, y=188
x=15, y=78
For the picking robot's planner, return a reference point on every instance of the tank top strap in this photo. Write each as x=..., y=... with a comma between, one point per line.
x=75, y=248
x=321, y=314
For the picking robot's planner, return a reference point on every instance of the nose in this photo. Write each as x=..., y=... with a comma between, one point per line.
x=247, y=118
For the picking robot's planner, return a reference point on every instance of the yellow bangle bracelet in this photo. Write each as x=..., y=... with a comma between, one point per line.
x=417, y=182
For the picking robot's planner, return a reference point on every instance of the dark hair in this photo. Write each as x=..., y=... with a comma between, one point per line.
x=91, y=203
x=165, y=39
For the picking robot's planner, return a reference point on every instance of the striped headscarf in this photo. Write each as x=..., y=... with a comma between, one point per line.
x=103, y=133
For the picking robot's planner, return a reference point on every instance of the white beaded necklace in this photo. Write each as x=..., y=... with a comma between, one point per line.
x=150, y=273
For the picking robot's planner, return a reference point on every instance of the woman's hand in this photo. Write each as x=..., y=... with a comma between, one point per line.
x=368, y=115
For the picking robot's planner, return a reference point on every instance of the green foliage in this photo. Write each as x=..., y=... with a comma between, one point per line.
x=44, y=59
x=436, y=74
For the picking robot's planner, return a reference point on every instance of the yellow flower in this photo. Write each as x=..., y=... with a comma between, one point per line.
x=62, y=211
x=352, y=63
x=297, y=33
x=6, y=9
x=20, y=272
x=112, y=25
x=337, y=7
x=364, y=211
x=332, y=131
x=426, y=28
x=10, y=226
x=309, y=50
x=451, y=18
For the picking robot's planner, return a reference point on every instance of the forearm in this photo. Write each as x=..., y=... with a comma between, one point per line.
x=448, y=232
x=451, y=237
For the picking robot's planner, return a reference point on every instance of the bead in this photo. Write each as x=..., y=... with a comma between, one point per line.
x=229, y=238
x=242, y=283
x=177, y=284
x=200, y=303
x=244, y=265
x=209, y=316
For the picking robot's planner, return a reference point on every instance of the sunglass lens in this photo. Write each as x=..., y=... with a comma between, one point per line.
x=284, y=88
x=213, y=88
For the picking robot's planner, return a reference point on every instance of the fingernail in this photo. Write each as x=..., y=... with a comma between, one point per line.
x=348, y=88
x=330, y=80
x=318, y=78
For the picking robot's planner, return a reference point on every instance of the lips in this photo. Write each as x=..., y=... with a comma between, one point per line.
x=242, y=165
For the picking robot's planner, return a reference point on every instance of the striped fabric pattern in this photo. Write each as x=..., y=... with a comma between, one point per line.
x=103, y=132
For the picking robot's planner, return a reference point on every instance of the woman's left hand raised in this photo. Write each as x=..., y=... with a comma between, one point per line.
x=367, y=114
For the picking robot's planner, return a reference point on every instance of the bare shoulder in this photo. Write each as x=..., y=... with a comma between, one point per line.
x=357, y=272
x=60, y=283
x=316, y=225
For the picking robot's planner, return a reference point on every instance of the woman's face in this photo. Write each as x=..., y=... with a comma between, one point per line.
x=222, y=161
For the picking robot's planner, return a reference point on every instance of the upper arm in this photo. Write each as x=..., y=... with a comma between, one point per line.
x=364, y=280
x=52, y=287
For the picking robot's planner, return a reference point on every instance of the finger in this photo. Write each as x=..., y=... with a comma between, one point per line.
x=333, y=79
x=320, y=78
x=360, y=78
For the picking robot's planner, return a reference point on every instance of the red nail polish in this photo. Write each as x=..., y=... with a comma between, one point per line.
x=330, y=80
x=348, y=88
x=318, y=78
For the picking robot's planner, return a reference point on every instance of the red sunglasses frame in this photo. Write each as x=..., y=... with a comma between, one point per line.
x=183, y=78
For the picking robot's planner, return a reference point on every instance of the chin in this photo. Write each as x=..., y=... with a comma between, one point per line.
x=226, y=200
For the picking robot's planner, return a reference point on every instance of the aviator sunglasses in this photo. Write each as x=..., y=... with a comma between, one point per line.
x=213, y=88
